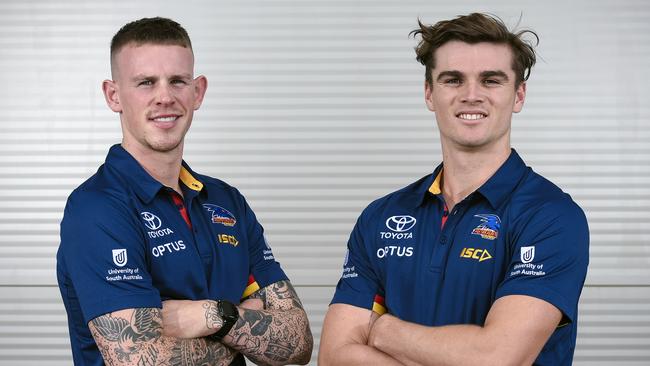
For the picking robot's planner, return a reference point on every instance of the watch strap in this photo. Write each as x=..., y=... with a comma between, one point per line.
x=229, y=314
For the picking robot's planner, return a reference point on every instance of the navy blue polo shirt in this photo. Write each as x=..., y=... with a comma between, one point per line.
x=125, y=243
x=518, y=234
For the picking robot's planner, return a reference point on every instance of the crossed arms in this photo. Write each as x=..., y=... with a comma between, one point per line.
x=515, y=330
x=272, y=329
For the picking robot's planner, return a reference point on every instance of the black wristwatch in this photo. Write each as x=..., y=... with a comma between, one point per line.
x=228, y=312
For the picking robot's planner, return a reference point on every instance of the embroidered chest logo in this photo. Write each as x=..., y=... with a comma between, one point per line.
x=228, y=239
x=474, y=253
x=220, y=215
x=400, y=224
x=399, y=227
x=151, y=221
x=489, y=226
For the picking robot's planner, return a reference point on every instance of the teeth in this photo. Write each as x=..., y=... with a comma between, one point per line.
x=165, y=119
x=470, y=116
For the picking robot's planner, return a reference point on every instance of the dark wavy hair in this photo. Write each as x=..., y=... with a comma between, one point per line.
x=475, y=28
x=161, y=31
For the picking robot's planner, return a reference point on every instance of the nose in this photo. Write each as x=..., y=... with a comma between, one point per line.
x=164, y=94
x=472, y=93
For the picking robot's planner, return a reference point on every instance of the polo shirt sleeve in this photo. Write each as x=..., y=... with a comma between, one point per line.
x=263, y=266
x=359, y=283
x=103, y=253
x=550, y=254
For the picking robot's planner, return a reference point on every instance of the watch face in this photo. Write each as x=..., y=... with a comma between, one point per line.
x=228, y=310
x=229, y=314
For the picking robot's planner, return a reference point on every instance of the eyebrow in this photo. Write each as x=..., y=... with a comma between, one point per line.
x=484, y=75
x=495, y=73
x=449, y=73
x=182, y=76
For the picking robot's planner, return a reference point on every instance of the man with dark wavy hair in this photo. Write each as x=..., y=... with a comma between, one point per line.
x=159, y=265
x=481, y=262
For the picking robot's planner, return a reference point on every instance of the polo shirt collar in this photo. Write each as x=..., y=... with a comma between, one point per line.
x=144, y=185
x=428, y=186
x=495, y=190
x=503, y=182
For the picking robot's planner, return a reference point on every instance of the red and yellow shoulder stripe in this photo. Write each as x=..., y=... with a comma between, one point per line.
x=379, y=306
x=251, y=287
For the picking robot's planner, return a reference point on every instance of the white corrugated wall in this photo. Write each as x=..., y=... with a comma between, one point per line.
x=315, y=108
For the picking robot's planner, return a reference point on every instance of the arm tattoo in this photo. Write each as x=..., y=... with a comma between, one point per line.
x=212, y=318
x=279, y=334
x=137, y=340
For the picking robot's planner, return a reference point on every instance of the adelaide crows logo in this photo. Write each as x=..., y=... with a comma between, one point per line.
x=220, y=215
x=489, y=227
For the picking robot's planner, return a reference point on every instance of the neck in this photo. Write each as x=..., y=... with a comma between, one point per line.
x=466, y=171
x=165, y=167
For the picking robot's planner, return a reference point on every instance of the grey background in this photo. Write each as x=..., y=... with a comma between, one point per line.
x=314, y=109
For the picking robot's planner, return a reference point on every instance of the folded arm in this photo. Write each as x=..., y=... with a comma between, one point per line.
x=134, y=337
x=345, y=336
x=515, y=330
x=279, y=334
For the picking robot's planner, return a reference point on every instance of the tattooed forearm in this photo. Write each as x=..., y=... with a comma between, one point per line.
x=279, y=334
x=280, y=295
x=212, y=318
x=134, y=337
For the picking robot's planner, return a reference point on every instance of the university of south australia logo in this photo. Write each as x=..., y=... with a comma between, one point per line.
x=119, y=257
x=527, y=254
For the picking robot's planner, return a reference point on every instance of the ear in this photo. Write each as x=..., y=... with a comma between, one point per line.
x=200, y=86
x=110, y=94
x=520, y=96
x=428, y=96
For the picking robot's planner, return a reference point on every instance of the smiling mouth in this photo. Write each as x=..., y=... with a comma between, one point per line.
x=165, y=118
x=471, y=116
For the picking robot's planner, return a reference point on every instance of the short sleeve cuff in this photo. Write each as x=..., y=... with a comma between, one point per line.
x=269, y=276
x=362, y=300
x=107, y=305
x=541, y=293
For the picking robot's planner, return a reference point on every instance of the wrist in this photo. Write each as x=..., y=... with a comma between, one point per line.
x=213, y=321
x=225, y=314
x=379, y=327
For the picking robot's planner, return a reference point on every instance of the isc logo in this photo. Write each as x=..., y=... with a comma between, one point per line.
x=228, y=239
x=473, y=253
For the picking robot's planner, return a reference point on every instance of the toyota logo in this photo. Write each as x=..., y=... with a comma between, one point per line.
x=151, y=221
x=400, y=224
